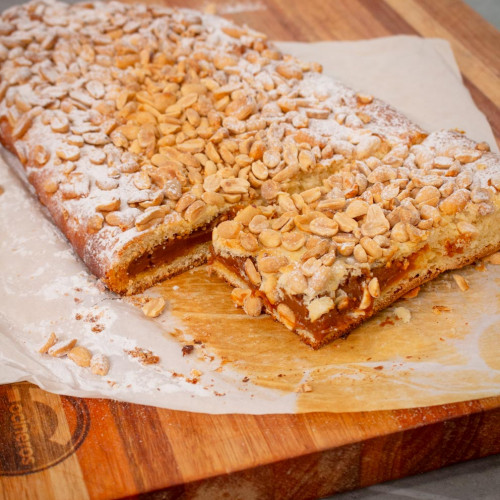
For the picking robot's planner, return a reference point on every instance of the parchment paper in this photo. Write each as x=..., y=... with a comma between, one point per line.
x=256, y=366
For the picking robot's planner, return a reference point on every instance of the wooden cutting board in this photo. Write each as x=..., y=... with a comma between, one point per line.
x=63, y=447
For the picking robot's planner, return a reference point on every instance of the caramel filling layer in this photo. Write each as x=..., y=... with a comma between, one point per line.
x=334, y=320
x=178, y=246
x=167, y=252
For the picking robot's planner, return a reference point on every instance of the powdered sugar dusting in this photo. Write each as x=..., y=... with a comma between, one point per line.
x=78, y=181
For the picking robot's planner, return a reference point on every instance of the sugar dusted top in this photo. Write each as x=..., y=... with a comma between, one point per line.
x=128, y=118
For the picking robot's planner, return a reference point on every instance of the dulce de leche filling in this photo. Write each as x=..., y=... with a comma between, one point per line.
x=335, y=319
x=178, y=246
x=168, y=251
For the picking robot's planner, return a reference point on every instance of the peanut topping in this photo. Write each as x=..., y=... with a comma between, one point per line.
x=293, y=241
x=59, y=123
x=428, y=195
x=367, y=146
x=248, y=241
x=252, y=305
x=69, y=153
x=229, y=229
x=371, y=247
x=346, y=223
x=323, y=226
x=40, y=155
x=109, y=206
x=399, y=232
x=374, y=288
x=166, y=120
x=360, y=254
x=252, y=273
x=246, y=215
x=235, y=186
x=196, y=212
x=366, y=299
x=238, y=295
x=272, y=264
x=270, y=238
x=375, y=222
x=258, y=224
x=319, y=307
x=357, y=208
x=294, y=283
x=455, y=202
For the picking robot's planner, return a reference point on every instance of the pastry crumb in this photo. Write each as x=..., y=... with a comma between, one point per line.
x=412, y=293
x=493, y=259
x=187, y=349
x=145, y=356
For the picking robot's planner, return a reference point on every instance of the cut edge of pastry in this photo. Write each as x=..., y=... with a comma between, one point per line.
x=161, y=253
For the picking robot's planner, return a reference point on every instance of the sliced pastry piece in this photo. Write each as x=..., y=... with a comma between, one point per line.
x=323, y=261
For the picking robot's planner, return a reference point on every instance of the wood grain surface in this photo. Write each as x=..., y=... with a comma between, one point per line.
x=63, y=447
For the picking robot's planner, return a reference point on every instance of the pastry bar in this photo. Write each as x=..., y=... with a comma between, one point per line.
x=325, y=260
x=142, y=127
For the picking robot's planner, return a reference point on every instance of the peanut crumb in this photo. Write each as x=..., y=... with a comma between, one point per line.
x=49, y=342
x=154, y=307
x=461, y=282
x=80, y=356
x=62, y=348
x=403, y=314
x=99, y=364
x=440, y=309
